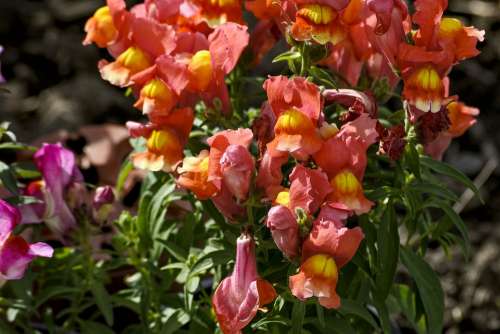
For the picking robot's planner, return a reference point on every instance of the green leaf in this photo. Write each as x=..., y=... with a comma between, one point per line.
x=354, y=308
x=17, y=147
x=298, y=314
x=412, y=159
x=322, y=76
x=320, y=313
x=388, y=252
x=103, y=301
x=429, y=288
x=286, y=56
x=53, y=291
x=178, y=253
x=448, y=170
x=211, y=260
x=456, y=220
x=338, y=325
x=175, y=320
x=434, y=189
x=8, y=178
x=407, y=304
x=125, y=170
x=91, y=327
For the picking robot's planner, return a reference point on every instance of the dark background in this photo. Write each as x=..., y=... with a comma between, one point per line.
x=54, y=84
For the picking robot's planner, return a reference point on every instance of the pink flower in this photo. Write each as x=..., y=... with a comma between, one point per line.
x=239, y=296
x=15, y=252
x=59, y=176
x=230, y=161
x=328, y=248
x=308, y=190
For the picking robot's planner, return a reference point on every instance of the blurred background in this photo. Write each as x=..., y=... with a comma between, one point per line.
x=55, y=93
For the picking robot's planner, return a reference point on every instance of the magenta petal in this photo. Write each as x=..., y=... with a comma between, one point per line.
x=41, y=249
x=9, y=218
x=59, y=171
x=14, y=258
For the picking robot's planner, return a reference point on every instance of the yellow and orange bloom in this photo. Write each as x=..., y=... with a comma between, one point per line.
x=155, y=96
x=165, y=141
x=327, y=249
x=200, y=71
x=217, y=12
x=296, y=104
x=100, y=28
x=348, y=190
x=439, y=43
x=129, y=63
x=317, y=22
x=424, y=89
x=194, y=176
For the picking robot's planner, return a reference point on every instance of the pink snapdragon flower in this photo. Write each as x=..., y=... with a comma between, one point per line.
x=239, y=296
x=15, y=252
x=61, y=183
x=308, y=190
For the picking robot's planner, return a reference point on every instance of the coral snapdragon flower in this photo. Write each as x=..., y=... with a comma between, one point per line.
x=239, y=296
x=217, y=12
x=296, y=104
x=15, y=252
x=308, y=190
x=439, y=44
x=160, y=86
x=343, y=158
x=146, y=41
x=166, y=138
x=328, y=248
x=194, y=176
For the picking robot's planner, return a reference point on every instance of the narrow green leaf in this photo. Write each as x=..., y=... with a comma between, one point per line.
x=429, y=288
x=388, y=252
x=17, y=147
x=320, y=313
x=286, y=56
x=456, y=220
x=91, y=327
x=434, y=189
x=298, y=314
x=103, y=301
x=53, y=291
x=448, y=170
x=175, y=320
x=407, y=304
x=355, y=308
x=8, y=178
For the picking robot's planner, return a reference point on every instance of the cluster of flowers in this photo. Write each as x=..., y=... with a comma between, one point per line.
x=174, y=53
x=58, y=193
x=171, y=56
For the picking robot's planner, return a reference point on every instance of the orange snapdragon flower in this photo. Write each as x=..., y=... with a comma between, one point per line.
x=166, y=138
x=100, y=28
x=296, y=104
x=328, y=248
x=343, y=158
x=439, y=44
x=194, y=176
